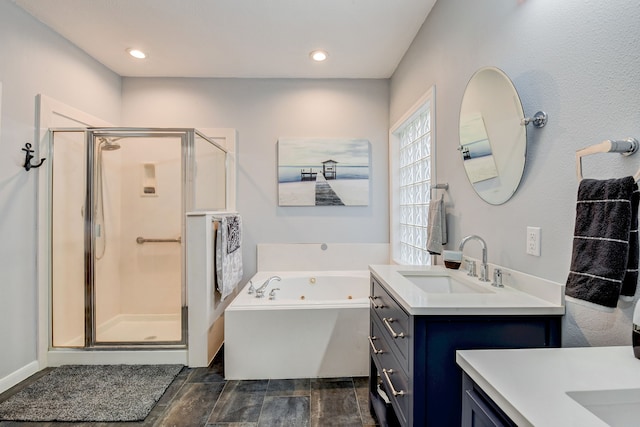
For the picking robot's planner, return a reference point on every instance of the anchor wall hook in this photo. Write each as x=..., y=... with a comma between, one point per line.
x=28, y=156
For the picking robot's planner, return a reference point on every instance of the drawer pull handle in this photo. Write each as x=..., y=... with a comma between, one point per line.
x=387, y=322
x=373, y=347
x=373, y=301
x=386, y=373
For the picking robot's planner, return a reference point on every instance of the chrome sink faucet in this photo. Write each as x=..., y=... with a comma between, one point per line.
x=261, y=290
x=484, y=268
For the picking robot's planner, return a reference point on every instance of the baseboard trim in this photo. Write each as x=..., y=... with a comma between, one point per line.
x=17, y=376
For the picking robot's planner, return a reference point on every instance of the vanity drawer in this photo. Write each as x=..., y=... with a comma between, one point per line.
x=393, y=318
x=392, y=373
x=378, y=345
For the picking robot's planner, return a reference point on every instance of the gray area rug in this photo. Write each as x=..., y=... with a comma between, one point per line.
x=91, y=393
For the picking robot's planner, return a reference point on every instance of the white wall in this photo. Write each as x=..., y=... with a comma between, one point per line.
x=575, y=59
x=33, y=60
x=262, y=111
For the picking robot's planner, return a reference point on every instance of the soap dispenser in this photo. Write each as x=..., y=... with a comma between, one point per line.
x=635, y=335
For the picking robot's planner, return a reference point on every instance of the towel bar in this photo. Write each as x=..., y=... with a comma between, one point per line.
x=626, y=147
x=141, y=240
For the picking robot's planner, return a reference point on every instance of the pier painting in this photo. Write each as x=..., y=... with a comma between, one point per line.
x=323, y=172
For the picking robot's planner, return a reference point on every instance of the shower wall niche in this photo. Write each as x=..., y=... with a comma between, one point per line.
x=118, y=198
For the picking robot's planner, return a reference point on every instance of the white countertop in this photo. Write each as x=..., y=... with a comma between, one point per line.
x=522, y=294
x=530, y=385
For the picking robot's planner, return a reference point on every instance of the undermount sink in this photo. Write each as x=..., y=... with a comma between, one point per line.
x=442, y=284
x=618, y=408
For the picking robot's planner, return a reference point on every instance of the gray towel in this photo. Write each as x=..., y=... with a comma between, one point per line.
x=604, y=262
x=437, y=227
x=228, y=263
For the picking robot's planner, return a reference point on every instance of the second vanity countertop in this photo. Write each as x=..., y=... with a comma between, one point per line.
x=522, y=295
x=534, y=387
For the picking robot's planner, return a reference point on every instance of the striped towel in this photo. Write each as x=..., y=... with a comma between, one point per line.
x=604, y=262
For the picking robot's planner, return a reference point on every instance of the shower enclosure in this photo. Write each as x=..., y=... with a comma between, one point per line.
x=118, y=198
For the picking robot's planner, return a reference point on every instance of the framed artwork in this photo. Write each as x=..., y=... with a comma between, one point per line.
x=323, y=172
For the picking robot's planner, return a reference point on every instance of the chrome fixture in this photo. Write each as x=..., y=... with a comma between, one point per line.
x=471, y=268
x=538, y=120
x=443, y=186
x=497, y=278
x=108, y=144
x=626, y=147
x=373, y=346
x=484, y=269
x=251, y=289
x=104, y=144
x=261, y=290
x=140, y=240
x=272, y=294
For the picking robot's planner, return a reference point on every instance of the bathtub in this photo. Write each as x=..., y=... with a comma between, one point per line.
x=317, y=326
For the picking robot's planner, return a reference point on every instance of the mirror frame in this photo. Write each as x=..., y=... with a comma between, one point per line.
x=492, y=138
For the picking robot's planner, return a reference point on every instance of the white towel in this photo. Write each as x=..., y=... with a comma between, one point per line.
x=228, y=254
x=437, y=227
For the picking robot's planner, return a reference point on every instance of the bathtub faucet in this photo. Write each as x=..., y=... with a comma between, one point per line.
x=261, y=290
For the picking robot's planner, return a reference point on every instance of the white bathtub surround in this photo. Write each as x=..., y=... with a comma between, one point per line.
x=534, y=386
x=315, y=327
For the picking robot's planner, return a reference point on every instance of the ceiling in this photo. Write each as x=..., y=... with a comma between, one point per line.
x=239, y=38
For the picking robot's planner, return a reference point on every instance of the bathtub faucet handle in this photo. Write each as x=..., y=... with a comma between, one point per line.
x=272, y=294
x=261, y=290
x=251, y=289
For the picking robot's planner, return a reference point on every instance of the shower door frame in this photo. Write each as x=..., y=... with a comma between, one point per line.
x=186, y=167
x=187, y=161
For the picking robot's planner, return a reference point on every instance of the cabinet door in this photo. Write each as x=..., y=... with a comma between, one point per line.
x=476, y=413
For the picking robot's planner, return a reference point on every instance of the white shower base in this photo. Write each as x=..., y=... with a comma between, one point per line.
x=136, y=328
x=126, y=328
x=140, y=328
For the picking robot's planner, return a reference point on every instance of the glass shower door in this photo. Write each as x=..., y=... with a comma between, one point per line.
x=136, y=239
x=68, y=190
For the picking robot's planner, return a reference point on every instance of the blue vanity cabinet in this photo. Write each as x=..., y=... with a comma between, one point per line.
x=414, y=356
x=478, y=410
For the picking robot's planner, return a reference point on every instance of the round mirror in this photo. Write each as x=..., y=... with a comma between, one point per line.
x=493, y=140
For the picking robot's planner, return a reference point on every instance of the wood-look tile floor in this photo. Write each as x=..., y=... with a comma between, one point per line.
x=202, y=397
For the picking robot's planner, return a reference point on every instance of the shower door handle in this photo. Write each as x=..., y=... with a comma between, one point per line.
x=141, y=240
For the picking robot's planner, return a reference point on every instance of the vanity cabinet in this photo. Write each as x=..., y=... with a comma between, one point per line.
x=478, y=410
x=412, y=357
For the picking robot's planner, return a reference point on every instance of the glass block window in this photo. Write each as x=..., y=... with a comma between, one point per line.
x=414, y=187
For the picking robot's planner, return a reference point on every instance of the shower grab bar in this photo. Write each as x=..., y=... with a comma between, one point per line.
x=141, y=240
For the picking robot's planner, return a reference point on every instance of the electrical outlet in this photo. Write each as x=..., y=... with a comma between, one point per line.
x=533, y=241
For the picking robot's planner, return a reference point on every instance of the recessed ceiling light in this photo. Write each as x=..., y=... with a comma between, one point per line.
x=319, y=55
x=136, y=53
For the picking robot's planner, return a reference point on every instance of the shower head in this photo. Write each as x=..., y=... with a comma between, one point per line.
x=108, y=144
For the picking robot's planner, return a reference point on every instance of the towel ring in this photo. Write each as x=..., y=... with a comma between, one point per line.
x=443, y=186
